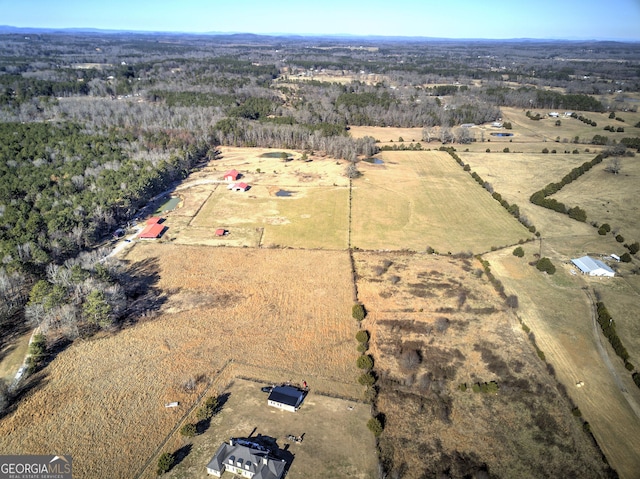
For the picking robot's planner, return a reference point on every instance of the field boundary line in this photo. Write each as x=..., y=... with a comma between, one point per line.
x=168, y=437
x=202, y=206
x=349, y=246
x=311, y=391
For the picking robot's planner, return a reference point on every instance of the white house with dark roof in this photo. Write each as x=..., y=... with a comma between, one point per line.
x=247, y=459
x=593, y=267
x=288, y=398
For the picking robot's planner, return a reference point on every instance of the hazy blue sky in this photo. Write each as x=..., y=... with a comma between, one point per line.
x=568, y=19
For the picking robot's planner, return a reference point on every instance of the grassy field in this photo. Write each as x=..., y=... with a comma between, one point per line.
x=420, y=199
x=103, y=400
x=336, y=441
x=559, y=313
x=313, y=215
x=458, y=330
x=310, y=217
x=387, y=135
x=608, y=198
x=516, y=176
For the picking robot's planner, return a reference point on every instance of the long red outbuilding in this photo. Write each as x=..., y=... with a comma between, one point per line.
x=152, y=231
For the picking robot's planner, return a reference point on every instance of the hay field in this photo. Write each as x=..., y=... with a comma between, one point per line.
x=517, y=176
x=559, y=313
x=420, y=199
x=622, y=298
x=336, y=440
x=609, y=198
x=387, y=134
x=103, y=400
x=460, y=332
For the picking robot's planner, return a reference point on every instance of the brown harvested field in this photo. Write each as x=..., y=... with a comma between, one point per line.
x=336, y=442
x=436, y=325
x=387, y=134
x=424, y=198
x=102, y=400
x=559, y=312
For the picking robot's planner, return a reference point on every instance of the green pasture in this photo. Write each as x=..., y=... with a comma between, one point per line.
x=309, y=218
x=424, y=199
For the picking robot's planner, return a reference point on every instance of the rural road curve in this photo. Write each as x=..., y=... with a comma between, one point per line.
x=605, y=357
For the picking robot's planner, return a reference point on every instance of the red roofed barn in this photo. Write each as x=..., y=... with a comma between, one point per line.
x=231, y=175
x=152, y=231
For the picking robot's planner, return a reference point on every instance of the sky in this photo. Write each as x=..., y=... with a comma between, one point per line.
x=491, y=19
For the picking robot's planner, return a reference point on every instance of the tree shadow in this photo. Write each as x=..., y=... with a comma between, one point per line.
x=12, y=328
x=28, y=387
x=181, y=454
x=140, y=281
x=203, y=424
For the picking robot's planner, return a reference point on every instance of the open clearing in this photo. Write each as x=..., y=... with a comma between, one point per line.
x=289, y=309
x=559, y=313
x=421, y=199
x=437, y=311
x=336, y=442
x=389, y=134
x=313, y=214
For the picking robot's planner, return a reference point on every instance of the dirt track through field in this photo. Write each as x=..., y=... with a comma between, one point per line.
x=607, y=361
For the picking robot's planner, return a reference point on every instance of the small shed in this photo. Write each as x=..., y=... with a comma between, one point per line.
x=593, y=267
x=288, y=398
x=221, y=232
x=240, y=187
x=232, y=175
x=155, y=220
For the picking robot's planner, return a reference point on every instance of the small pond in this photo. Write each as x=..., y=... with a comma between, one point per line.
x=284, y=193
x=375, y=161
x=169, y=205
x=501, y=134
x=274, y=154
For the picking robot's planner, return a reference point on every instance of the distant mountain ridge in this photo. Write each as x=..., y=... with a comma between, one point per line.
x=10, y=29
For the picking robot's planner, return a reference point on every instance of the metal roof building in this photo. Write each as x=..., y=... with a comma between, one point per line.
x=152, y=231
x=593, y=267
x=288, y=398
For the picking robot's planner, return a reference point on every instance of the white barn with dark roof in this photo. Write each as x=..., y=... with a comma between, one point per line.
x=593, y=267
x=288, y=398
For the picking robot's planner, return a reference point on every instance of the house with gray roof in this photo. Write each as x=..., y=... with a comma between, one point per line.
x=247, y=459
x=593, y=267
